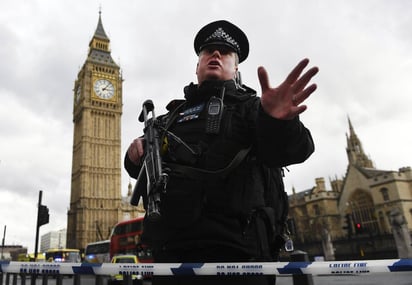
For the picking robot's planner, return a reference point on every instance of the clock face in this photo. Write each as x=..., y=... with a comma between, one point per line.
x=104, y=88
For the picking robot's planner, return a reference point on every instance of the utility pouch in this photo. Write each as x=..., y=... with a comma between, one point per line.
x=274, y=241
x=258, y=220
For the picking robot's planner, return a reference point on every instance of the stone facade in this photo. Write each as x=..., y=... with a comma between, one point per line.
x=358, y=207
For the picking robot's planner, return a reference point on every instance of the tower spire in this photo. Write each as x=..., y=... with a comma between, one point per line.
x=99, y=46
x=351, y=131
x=100, y=33
x=356, y=155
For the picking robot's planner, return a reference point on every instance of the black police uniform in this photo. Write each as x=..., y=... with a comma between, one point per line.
x=207, y=219
x=216, y=181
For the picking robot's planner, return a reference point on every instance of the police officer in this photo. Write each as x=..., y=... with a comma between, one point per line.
x=216, y=143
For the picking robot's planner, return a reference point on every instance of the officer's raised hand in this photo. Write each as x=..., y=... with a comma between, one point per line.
x=283, y=102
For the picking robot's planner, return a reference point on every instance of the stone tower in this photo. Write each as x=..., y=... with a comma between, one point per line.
x=95, y=201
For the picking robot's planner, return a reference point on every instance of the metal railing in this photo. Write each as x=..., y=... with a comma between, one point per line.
x=145, y=270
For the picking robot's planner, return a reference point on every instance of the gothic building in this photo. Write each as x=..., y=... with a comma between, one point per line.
x=359, y=207
x=96, y=204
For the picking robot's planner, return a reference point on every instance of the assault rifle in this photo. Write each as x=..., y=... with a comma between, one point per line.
x=151, y=175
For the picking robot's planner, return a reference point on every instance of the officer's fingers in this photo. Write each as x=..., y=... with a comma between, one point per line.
x=135, y=150
x=304, y=80
x=300, y=109
x=263, y=78
x=140, y=147
x=295, y=73
x=132, y=153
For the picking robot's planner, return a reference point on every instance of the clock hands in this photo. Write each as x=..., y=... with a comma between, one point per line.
x=104, y=88
x=107, y=86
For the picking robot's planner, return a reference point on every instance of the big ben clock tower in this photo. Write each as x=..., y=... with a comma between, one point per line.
x=95, y=201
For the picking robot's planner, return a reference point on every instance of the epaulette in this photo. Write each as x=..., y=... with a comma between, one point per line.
x=243, y=93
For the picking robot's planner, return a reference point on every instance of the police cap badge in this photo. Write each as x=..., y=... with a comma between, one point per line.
x=223, y=33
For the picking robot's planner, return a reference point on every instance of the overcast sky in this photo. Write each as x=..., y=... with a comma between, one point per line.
x=362, y=48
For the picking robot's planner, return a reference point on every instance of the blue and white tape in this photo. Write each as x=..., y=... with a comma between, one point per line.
x=258, y=268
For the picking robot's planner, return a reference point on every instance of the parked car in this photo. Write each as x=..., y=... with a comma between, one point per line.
x=118, y=278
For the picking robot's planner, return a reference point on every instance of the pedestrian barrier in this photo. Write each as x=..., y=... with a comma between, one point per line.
x=350, y=267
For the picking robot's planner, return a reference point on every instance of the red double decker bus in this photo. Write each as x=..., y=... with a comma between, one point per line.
x=126, y=239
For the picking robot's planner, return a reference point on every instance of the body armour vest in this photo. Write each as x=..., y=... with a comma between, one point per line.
x=211, y=210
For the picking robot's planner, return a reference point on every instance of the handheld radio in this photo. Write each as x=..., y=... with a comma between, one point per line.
x=214, y=115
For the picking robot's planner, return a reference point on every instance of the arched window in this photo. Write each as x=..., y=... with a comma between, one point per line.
x=363, y=211
x=385, y=194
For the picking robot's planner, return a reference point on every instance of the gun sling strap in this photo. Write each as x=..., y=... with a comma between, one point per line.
x=188, y=171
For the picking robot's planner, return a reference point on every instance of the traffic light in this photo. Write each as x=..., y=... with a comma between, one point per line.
x=347, y=226
x=43, y=215
x=358, y=228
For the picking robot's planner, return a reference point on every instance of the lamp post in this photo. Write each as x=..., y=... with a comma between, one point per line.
x=2, y=243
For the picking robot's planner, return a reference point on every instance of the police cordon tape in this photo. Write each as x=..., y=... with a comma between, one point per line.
x=250, y=268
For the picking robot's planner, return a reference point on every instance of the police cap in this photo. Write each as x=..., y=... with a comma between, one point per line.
x=223, y=33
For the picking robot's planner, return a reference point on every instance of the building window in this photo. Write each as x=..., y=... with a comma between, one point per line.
x=316, y=210
x=385, y=194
